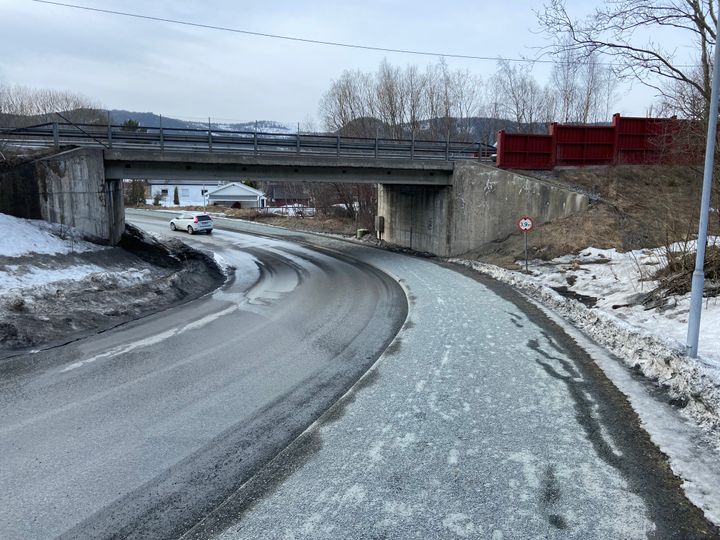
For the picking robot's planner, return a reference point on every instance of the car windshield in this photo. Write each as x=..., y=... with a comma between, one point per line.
x=204, y=218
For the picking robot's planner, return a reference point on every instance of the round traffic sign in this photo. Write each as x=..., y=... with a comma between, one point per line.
x=525, y=224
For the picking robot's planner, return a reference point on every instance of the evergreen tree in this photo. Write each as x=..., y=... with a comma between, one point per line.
x=176, y=197
x=131, y=125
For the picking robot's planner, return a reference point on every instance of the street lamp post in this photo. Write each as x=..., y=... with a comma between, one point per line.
x=698, y=277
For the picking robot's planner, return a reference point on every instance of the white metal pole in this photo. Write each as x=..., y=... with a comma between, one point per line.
x=698, y=277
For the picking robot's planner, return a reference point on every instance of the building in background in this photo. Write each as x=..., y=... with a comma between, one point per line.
x=287, y=193
x=234, y=194
x=237, y=195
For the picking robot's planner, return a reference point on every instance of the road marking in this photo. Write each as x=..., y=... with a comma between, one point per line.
x=122, y=349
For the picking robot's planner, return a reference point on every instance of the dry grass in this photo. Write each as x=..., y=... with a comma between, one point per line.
x=676, y=277
x=633, y=207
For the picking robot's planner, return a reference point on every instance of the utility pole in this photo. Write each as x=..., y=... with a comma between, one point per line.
x=698, y=277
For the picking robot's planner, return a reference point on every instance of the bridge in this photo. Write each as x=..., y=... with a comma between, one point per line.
x=219, y=154
x=440, y=197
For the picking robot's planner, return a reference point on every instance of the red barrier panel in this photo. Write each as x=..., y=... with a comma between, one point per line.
x=644, y=140
x=629, y=140
x=583, y=145
x=524, y=151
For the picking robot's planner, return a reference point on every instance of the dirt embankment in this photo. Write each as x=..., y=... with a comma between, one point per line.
x=632, y=207
x=139, y=277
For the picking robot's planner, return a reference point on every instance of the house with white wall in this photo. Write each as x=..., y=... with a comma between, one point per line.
x=189, y=194
x=199, y=194
x=237, y=195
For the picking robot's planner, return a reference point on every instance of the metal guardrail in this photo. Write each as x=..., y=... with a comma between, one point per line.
x=117, y=137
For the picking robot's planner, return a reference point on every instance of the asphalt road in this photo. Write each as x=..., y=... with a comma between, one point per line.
x=482, y=419
x=142, y=430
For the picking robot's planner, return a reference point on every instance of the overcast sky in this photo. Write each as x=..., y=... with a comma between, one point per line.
x=193, y=73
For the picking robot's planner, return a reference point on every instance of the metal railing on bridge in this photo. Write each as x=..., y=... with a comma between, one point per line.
x=59, y=134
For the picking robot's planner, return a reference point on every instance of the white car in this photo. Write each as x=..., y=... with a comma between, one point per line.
x=192, y=222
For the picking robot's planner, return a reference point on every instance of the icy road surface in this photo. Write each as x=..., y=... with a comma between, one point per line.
x=484, y=419
x=140, y=431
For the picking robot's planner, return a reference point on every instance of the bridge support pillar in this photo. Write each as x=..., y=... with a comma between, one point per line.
x=481, y=205
x=74, y=191
x=67, y=188
x=416, y=217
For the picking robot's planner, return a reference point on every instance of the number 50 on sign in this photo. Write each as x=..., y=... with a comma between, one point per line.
x=525, y=224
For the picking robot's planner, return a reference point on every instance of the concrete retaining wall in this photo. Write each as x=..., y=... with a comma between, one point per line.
x=482, y=205
x=68, y=188
x=487, y=203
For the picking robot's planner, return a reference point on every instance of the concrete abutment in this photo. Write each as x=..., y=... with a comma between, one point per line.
x=481, y=205
x=67, y=188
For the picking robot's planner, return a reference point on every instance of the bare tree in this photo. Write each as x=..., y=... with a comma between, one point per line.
x=523, y=100
x=583, y=88
x=20, y=105
x=564, y=79
x=413, y=86
x=349, y=104
x=616, y=29
x=390, y=99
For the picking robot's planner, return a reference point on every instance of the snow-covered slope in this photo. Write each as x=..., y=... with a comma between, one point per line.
x=20, y=237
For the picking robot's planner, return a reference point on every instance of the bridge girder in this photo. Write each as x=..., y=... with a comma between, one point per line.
x=189, y=167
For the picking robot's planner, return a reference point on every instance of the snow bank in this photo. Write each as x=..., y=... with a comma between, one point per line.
x=24, y=236
x=651, y=341
x=617, y=280
x=291, y=210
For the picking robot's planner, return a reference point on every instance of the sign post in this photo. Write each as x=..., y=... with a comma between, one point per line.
x=525, y=224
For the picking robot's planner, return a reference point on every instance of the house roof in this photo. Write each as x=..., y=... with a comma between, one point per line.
x=206, y=184
x=235, y=189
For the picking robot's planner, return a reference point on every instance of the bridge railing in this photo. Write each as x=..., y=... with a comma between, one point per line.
x=60, y=134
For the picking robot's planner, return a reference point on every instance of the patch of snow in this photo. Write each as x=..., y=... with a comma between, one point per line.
x=23, y=277
x=16, y=278
x=291, y=210
x=24, y=236
x=650, y=340
x=615, y=279
x=225, y=267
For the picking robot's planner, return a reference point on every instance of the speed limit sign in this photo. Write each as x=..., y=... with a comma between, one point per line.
x=525, y=224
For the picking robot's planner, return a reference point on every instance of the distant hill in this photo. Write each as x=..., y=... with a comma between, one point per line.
x=152, y=120
x=480, y=129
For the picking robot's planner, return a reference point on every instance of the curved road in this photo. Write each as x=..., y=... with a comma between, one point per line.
x=482, y=419
x=142, y=430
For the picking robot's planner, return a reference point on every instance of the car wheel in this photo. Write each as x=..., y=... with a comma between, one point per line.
x=172, y=226
x=190, y=229
x=209, y=231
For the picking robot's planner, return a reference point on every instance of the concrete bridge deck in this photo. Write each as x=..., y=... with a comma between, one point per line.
x=191, y=166
x=219, y=154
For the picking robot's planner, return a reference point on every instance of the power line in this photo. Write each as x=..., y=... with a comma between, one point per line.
x=288, y=38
